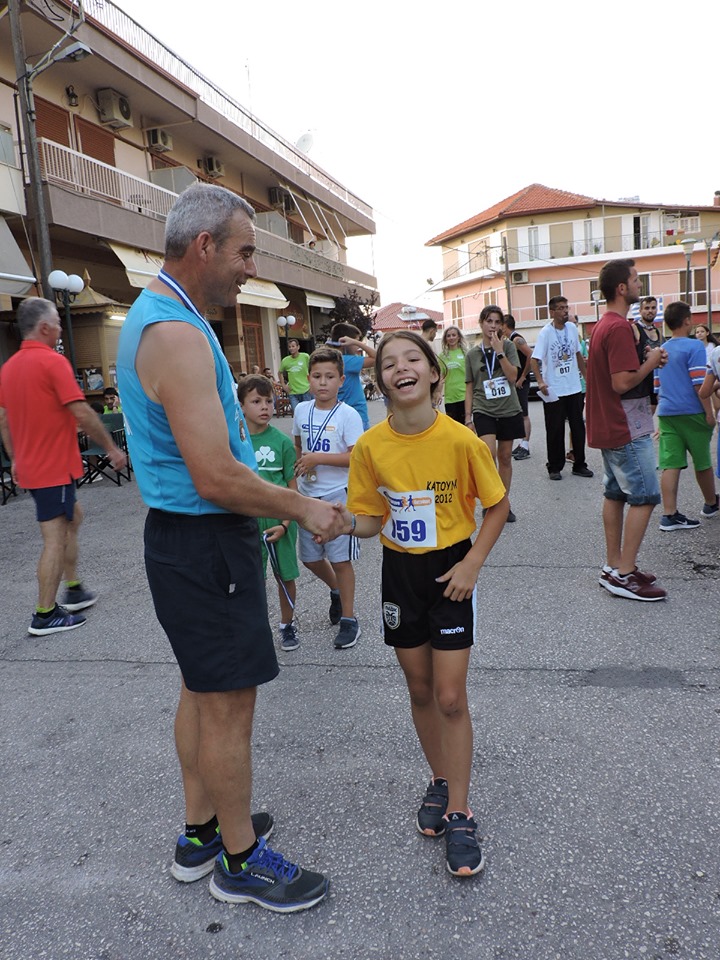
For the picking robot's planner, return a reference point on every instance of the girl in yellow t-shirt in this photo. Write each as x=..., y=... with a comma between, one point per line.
x=415, y=479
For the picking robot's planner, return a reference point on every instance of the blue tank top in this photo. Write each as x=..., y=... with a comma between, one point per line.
x=160, y=470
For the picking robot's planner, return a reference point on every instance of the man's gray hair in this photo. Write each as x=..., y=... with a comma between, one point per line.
x=31, y=312
x=203, y=207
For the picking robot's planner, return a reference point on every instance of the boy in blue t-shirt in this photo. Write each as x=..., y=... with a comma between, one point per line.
x=275, y=456
x=685, y=419
x=346, y=337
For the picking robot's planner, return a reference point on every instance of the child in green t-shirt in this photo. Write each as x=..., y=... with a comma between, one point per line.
x=275, y=455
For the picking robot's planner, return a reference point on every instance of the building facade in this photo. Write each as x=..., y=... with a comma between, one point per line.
x=120, y=134
x=541, y=242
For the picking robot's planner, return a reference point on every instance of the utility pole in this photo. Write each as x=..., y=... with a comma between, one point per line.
x=507, y=273
x=32, y=156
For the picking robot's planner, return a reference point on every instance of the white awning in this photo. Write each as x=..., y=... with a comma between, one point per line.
x=319, y=300
x=262, y=293
x=15, y=275
x=141, y=266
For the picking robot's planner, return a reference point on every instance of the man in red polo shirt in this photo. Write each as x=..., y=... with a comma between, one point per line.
x=41, y=409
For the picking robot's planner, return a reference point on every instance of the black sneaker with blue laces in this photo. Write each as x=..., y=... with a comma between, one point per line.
x=270, y=881
x=194, y=860
x=57, y=621
x=462, y=850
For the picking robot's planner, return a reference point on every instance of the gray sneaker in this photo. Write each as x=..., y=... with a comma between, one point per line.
x=678, y=521
x=348, y=634
x=289, y=639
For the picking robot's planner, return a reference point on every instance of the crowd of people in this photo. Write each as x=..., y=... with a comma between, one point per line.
x=227, y=494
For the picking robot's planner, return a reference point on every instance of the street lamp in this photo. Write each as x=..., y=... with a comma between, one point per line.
x=688, y=245
x=596, y=297
x=66, y=288
x=285, y=322
x=26, y=73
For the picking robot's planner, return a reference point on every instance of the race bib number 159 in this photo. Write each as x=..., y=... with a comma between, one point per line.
x=412, y=518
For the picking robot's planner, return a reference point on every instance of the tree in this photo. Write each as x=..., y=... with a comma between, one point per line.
x=352, y=308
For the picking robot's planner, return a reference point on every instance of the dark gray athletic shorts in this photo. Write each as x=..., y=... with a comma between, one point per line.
x=206, y=580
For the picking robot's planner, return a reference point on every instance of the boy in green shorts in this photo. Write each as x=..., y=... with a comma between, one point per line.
x=686, y=420
x=275, y=455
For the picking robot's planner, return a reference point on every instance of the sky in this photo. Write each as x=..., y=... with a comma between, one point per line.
x=433, y=112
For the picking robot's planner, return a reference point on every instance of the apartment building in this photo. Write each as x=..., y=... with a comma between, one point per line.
x=543, y=242
x=120, y=134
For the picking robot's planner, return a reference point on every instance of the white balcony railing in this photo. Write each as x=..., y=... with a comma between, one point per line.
x=89, y=177
x=124, y=27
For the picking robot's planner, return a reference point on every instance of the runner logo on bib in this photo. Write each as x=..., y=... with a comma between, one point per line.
x=412, y=518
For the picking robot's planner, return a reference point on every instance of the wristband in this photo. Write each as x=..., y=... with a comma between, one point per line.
x=285, y=524
x=354, y=524
x=468, y=418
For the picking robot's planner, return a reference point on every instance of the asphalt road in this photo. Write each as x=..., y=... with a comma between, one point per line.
x=596, y=776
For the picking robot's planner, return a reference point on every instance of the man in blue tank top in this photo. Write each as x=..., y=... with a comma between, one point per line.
x=195, y=467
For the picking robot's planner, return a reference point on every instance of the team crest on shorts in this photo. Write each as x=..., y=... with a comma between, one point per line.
x=391, y=615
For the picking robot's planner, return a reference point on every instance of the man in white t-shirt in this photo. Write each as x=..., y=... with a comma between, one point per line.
x=558, y=363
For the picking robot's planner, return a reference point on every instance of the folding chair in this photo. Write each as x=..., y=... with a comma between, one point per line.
x=96, y=462
x=7, y=485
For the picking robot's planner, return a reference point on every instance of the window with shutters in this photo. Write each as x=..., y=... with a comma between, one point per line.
x=95, y=141
x=52, y=122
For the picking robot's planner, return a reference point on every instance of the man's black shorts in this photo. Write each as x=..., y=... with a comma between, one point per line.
x=414, y=608
x=206, y=580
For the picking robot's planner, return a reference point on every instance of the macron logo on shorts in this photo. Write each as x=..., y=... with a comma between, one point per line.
x=446, y=630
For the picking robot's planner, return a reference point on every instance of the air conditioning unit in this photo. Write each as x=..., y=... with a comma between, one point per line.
x=213, y=167
x=519, y=276
x=114, y=109
x=276, y=196
x=159, y=141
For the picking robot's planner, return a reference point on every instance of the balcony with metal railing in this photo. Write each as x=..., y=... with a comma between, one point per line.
x=84, y=175
x=91, y=179
x=620, y=243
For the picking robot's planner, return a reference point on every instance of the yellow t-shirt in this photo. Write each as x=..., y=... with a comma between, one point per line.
x=424, y=486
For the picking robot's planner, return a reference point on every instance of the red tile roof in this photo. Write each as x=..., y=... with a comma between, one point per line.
x=533, y=199
x=390, y=317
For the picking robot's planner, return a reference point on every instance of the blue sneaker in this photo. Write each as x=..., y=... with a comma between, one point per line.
x=78, y=598
x=194, y=860
x=462, y=850
x=430, y=819
x=56, y=621
x=270, y=881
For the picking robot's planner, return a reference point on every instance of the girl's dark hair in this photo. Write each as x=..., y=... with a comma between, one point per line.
x=416, y=341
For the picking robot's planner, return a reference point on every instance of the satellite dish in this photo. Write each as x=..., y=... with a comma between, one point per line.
x=304, y=144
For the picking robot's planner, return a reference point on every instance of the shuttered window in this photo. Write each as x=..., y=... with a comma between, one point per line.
x=95, y=141
x=52, y=122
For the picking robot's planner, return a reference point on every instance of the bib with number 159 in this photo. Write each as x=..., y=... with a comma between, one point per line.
x=412, y=518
